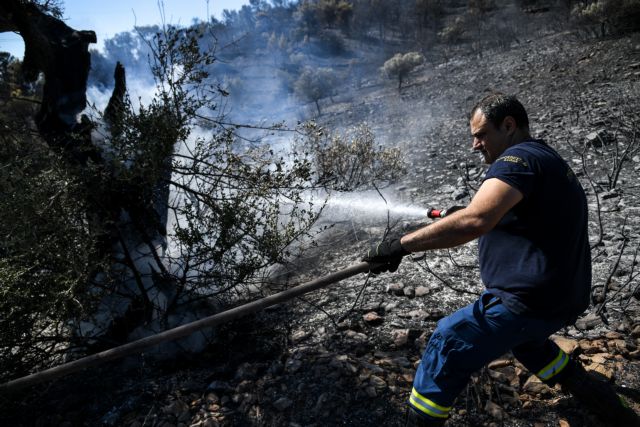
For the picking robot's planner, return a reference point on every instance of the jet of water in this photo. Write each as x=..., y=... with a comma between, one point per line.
x=369, y=207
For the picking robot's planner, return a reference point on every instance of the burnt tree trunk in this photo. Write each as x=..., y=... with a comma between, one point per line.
x=129, y=215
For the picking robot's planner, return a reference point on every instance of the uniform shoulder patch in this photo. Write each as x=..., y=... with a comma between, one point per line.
x=513, y=159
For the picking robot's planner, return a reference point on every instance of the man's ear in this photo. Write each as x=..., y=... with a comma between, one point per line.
x=509, y=125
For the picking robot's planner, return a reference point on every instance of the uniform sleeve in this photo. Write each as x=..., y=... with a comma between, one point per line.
x=514, y=168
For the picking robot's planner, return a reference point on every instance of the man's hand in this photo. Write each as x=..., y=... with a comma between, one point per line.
x=388, y=253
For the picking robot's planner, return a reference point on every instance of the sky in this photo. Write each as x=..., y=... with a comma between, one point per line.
x=108, y=17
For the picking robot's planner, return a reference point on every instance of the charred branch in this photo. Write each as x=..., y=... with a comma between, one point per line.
x=115, y=108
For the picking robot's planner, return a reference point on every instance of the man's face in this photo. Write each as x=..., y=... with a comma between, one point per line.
x=488, y=139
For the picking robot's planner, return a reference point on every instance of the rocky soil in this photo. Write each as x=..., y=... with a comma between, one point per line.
x=346, y=355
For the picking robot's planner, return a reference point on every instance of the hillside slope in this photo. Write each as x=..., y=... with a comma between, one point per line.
x=346, y=355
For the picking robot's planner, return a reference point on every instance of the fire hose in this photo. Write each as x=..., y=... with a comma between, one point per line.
x=189, y=328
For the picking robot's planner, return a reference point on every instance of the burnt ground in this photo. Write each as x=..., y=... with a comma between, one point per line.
x=346, y=355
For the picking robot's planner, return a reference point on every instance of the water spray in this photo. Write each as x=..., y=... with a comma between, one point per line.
x=371, y=206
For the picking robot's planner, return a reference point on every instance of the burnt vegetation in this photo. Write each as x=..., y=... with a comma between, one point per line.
x=138, y=214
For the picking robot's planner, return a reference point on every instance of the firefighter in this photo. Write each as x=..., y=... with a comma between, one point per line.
x=536, y=268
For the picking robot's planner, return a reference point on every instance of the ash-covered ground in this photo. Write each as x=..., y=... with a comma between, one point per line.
x=346, y=355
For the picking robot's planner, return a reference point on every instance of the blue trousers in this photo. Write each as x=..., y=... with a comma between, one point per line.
x=471, y=337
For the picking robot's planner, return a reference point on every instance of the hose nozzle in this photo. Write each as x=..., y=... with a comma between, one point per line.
x=441, y=213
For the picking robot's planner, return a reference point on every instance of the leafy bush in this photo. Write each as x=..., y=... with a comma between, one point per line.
x=313, y=85
x=47, y=254
x=608, y=16
x=331, y=43
x=399, y=66
x=237, y=210
x=454, y=31
x=351, y=161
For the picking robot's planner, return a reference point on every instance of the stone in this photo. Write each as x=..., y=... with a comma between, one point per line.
x=567, y=345
x=283, y=404
x=212, y=398
x=409, y=292
x=510, y=374
x=494, y=410
x=421, y=291
x=597, y=138
x=356, y=336
x=620, y=346
x=499, y=363
x=459, y=194
x=498, y=376
x=300, y=335
x=178, y=409
x=219, y=386
x=536, y=387
x=395, y=289
x=401, y=361
x=613, y=335
x=592, y=347
x=635, y=332
x=421, y=342
x=338, y=361
x=388, y=308
x=371, y=306
x=400, y=337
x=371, y=391
x=378, y=382
x=600, y=369
x=512, y=399
x=373, y=368
x=418, y=314
x=373, y=318
x=589, y=321
x=600, y=358
x=407, y=378
x=292, y=365
x=436, y=314
x=350, y=367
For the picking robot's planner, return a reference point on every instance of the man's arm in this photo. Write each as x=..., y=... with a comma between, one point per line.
x=492, y=201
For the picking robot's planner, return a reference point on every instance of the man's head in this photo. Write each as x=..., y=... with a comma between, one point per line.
x=497, y=122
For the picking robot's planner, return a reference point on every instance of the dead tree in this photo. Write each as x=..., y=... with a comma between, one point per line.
x=129, y=216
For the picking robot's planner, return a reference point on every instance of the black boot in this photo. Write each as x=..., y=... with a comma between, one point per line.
x=416, y=420
x=598, y=396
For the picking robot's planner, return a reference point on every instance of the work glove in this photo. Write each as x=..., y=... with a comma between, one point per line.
x=388, y=253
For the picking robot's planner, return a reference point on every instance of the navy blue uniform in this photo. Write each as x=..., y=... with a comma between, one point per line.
x=536, y=265
x=537, y=259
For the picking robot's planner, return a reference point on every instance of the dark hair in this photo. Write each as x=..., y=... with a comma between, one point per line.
x=497, y=106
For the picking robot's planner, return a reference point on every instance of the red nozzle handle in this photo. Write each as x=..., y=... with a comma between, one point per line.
x=435, y=213
x=441, y=213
